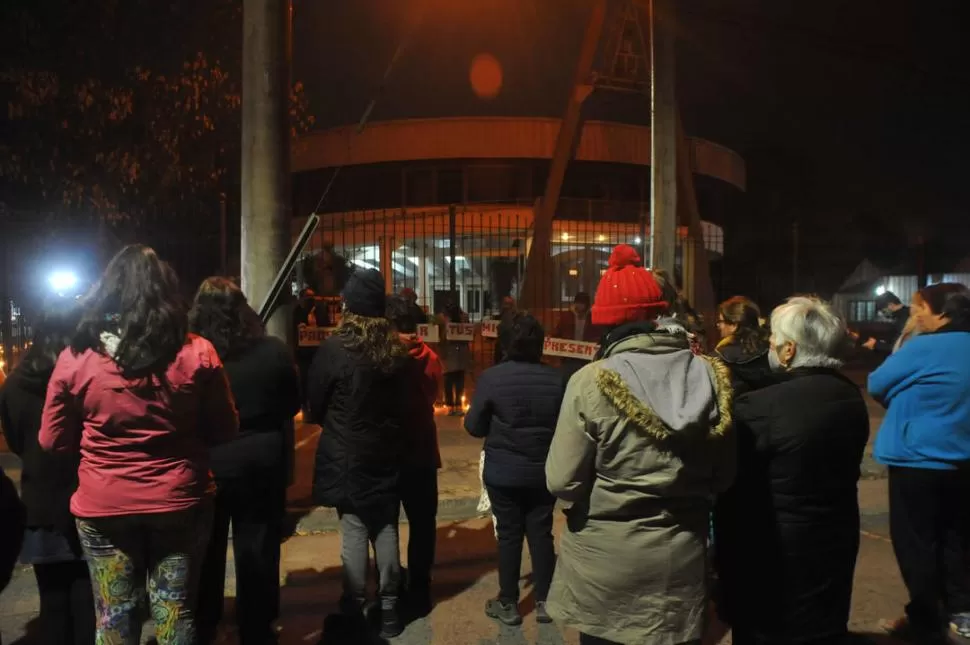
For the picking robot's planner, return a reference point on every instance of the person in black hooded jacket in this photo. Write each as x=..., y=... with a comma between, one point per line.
x=48, y=481
x=356, y=387
x=251, y=471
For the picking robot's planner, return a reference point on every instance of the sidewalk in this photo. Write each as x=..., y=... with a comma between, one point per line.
x=458, y=482
x=465, y=577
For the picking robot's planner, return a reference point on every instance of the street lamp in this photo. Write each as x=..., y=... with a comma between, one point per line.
x=62, y=282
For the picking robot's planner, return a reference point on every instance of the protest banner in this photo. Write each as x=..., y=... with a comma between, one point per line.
x=312, y=336
x=490, y=328
x=565, y=348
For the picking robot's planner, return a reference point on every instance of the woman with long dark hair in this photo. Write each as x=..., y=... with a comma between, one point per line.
x=50, y=541
x=143, y=400
x=744, y=343
x=357, y=386
x=925, y=441
x=250, y=471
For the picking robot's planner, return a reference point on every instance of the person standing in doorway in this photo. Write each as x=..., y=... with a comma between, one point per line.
x=925, y=441
x=356, y=388
x=514, y=409
x=51, y=542
x=144, y=401
x=251, y=470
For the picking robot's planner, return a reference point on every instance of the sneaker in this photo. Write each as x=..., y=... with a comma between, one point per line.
x=504, y=612
x=960, y=625
x=542, y=616
x=391, y=625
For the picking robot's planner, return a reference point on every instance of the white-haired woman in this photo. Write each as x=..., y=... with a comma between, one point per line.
x=788, y=530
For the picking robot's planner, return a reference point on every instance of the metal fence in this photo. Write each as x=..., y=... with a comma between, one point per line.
x=475, y=256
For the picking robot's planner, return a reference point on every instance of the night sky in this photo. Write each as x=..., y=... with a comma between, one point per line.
x=853, y=116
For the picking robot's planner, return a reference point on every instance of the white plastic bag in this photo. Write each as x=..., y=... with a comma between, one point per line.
x=484, y=503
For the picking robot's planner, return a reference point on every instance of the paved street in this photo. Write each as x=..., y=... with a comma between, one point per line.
x=466, y=576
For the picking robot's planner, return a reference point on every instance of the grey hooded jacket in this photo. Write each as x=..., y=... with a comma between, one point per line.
x=642, y=446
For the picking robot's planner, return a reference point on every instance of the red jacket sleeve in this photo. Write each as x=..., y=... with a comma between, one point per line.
x=60, y=425
x=433, y=376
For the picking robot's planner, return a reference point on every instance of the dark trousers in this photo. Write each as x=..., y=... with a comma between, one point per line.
x=929, y=522
x=419, y=496
x=66, y=603
x=523, y=513
x=454, y=388
x=255, y=507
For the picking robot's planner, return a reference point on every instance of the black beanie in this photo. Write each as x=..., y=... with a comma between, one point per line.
x=364, y=293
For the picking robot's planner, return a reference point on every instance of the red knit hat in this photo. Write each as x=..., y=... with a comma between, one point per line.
x=627, y=292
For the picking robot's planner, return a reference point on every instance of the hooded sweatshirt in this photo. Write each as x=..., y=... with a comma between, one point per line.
x=641, y=447
x=144, y=443
x=418, y=420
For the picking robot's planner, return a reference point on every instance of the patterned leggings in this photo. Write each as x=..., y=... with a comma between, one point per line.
x=164, y=548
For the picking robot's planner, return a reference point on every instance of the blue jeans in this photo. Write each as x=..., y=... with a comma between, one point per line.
x=164, y=549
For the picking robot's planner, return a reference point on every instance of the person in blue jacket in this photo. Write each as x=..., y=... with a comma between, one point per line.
x=925, y=441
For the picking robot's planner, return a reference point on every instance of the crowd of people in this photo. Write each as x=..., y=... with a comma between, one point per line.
x=695, y=485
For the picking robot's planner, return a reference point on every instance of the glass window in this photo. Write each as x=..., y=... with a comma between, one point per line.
x=473, y=301
x=862, y=310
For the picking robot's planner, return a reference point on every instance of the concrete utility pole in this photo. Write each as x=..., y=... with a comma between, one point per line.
x=663, y=133
x=6, y=314
x=266, y=234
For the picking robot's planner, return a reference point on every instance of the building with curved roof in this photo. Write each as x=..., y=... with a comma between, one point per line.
x=439, y=187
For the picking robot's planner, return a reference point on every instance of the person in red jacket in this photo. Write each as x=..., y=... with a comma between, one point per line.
x=143, y=401
x=419, y=474
x=576, y=324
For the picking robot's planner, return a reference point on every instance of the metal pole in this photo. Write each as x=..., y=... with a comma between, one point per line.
x=452, y=270
x=663, y=136
x=265, y=203
x=6, y=329
x=223, y=234
x=535, y=290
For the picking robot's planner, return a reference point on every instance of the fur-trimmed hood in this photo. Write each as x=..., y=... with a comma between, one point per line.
x=664, y=389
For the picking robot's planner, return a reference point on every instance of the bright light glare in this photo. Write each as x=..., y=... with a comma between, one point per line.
x=62, y=281
x=637, y=240
x=880, y=290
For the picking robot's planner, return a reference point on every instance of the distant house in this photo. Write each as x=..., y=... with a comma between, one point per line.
x=856, y=298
